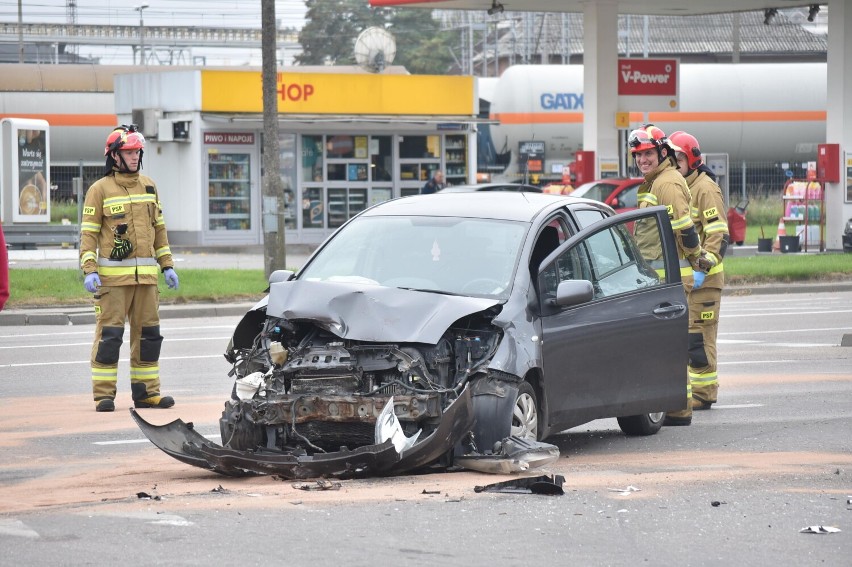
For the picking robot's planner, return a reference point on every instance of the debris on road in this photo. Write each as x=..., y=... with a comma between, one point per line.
x=320, y=484
x=819, y=530
x=146, y=496
x=624, y=491
x=549, y=485
x=221, y=490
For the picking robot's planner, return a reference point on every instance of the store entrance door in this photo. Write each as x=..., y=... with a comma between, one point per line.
x=231, y=209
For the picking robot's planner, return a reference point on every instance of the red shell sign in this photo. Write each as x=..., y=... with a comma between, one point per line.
x=654, y=77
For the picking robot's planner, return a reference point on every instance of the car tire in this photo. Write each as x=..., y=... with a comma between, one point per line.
x=645, y=424
x=526, y=414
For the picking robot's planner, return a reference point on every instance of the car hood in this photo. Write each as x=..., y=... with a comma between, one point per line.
x=364, y=312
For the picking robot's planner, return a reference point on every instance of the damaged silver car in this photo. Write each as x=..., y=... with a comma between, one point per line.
x=456, y=329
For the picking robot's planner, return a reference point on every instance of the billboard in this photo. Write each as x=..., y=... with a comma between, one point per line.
x=26, y=170
x=648, y=85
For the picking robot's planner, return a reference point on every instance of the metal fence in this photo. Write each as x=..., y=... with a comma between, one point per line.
x=61, y=180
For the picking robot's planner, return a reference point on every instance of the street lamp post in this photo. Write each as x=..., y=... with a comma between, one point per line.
x=141, y=34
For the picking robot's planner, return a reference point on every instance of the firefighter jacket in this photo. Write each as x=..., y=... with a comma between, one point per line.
x=711, y=222
x=665, y=186
x=128, y=203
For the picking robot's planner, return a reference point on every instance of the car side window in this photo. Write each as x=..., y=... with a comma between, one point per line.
x=629, y=197
x=611, y=259
x=587, y=217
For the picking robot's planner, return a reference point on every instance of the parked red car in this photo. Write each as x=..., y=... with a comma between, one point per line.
x=617, y=192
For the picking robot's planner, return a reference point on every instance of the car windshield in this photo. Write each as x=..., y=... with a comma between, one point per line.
x=592, y=190
x=451, y=255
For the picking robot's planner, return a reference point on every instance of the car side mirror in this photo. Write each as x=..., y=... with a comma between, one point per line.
x=280, y=276
x=574, y=292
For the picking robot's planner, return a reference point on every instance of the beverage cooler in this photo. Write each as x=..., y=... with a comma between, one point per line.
x=232, y=196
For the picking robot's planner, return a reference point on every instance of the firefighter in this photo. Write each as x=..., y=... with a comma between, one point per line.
x=708, y=215
x=123, y=247
x=664, y=185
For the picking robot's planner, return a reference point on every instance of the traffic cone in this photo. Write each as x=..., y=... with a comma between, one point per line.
x=782, y=231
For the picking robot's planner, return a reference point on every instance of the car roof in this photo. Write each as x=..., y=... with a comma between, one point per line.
x=614, y=181
x=502, y=205
x=491, y=187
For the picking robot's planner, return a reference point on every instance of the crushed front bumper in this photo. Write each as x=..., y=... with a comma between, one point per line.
x=180, y=440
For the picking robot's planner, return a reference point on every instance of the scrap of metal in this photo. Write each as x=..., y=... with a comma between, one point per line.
x=548, y=485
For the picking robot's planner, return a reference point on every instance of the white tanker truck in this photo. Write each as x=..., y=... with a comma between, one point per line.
x=751, y=111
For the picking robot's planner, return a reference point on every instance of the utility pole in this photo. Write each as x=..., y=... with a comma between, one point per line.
x=274, y=253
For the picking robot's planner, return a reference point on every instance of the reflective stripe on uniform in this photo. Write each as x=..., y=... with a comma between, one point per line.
x=90, y=227
x=681, y=223
x=129, y=271
x=107, y=374
x=703, y=380
x=649, y=198
x=144, y=373
x=129, y=200
x=88, y=255
x=716, y=269
x=160, y=252
x=130, y=262
x=160, y=221
x=717, y=226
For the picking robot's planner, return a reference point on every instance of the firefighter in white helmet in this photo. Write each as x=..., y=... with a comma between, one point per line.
x=708, y=215
x=664, y=185
x=123, y=248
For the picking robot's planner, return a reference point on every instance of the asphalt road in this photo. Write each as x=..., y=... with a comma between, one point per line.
x=736, y=487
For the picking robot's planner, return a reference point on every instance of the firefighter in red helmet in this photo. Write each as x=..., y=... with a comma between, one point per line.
x=123, y=247
x=708, y=215
x=664, y=185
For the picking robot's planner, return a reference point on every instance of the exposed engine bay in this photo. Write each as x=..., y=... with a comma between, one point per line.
x=342, y=390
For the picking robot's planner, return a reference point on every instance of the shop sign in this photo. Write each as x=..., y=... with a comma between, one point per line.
x=245, y=138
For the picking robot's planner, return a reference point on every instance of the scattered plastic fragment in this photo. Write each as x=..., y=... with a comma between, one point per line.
x=624, y=491
x=146, y=496
x=819, y=530
x=717, y=503
x=430, y=491
x=220, y=490
x=320, y=484
x=549, y=485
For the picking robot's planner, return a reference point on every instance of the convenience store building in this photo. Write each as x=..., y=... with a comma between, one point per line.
x=347, y=140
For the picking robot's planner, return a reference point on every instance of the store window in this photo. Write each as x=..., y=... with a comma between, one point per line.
x=287, y=161
x=381, y=158
x=420, y=147
x=312, y=158
x=312, y=208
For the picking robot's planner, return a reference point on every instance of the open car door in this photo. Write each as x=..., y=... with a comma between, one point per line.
x=619, y=348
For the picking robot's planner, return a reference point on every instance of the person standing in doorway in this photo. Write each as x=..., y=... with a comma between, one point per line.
x=704, y=297
x=664, y=185
x=123, y=247
x=435, y=184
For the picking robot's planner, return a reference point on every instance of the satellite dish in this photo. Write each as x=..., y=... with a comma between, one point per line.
x=375, y=49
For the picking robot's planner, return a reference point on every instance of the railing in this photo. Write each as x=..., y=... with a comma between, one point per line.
x=171, y=36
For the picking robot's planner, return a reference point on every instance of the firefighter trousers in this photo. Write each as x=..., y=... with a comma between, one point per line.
x=113, y=306
x=703, y=328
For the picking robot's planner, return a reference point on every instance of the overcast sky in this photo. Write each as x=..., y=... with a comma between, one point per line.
x=230, y=13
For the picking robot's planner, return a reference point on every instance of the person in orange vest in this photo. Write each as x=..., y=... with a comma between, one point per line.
x=704, y=295
x=664, y=185
x=123, y=248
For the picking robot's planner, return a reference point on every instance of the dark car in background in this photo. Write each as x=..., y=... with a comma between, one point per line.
x=619, y=193
x=513, y=187
x=847, y=236
x=451, y=329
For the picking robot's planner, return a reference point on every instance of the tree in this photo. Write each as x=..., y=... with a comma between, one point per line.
x=332, y=26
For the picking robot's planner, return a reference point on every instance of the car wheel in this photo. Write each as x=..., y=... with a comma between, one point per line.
x=645, y=424
x=525, y=413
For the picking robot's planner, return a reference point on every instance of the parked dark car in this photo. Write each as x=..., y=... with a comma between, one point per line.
x=453, y=328
x=516, y=187
x=847, y=236
x=619, y=193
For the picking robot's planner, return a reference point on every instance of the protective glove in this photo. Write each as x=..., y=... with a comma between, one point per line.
x=706, y=262
x=171, y=278
x=698, y=279
x=92, y=282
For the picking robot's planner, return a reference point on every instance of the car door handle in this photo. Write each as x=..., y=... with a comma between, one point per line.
x=670, y=310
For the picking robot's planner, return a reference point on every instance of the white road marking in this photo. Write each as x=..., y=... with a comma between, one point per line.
x=17, y=528
x=26, y=364
x=787, y=331
x=768, y=362
x=162, y=328
x=737, y=406
x=782, y=313
x=171, y=340
x=132, y=441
